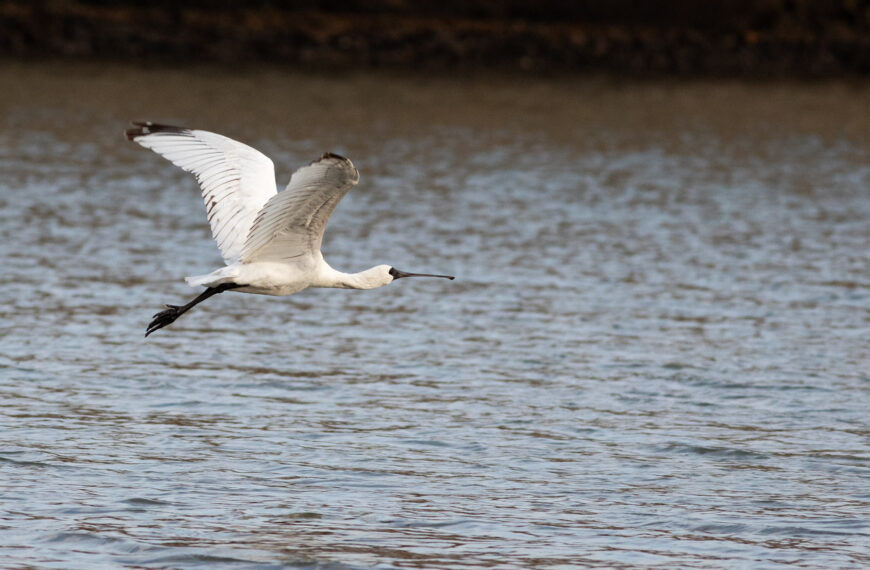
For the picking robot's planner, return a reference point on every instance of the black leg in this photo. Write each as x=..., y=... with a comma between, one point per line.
x=172, y=312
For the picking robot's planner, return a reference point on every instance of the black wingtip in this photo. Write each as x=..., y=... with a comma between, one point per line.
x=332, y=155
x=142, y=128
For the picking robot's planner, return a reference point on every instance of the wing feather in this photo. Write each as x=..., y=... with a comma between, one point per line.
x=292, y=222
x=236, y=180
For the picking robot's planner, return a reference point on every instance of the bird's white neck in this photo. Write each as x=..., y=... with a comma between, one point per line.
x=369, y=279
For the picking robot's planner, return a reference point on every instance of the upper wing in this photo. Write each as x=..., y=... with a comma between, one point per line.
x=292, y=222
x=236, y=179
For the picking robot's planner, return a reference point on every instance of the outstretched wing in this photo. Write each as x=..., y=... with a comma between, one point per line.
x=236, y=180
x=292, y=222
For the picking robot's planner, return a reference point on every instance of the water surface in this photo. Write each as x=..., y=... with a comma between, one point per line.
x=654, y=354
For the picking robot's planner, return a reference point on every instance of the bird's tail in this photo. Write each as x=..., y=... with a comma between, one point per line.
x=198, y=280
x=213, y=279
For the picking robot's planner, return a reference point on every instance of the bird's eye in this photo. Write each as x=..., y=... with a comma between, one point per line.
x=393, y=272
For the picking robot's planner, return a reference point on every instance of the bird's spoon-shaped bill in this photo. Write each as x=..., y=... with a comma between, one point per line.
x=397, y=274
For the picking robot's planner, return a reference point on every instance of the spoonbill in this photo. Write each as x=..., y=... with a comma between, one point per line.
x=269, y=240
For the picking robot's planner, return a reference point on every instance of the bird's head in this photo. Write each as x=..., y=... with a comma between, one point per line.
x=381, y=275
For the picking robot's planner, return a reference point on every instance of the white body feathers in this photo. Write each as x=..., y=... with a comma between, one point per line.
x=269, y=240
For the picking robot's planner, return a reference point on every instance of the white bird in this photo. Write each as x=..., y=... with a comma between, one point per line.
x=270, y=240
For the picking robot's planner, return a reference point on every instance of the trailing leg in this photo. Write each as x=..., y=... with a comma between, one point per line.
x=172, y=312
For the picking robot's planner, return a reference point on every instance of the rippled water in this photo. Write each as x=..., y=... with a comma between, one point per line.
x=655, y=352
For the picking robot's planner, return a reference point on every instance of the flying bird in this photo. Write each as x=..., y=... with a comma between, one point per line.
x=269, y=240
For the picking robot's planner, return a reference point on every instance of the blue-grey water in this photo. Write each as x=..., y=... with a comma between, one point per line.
x=655, y=352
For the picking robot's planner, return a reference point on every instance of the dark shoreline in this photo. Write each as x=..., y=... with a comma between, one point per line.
x=732, y=39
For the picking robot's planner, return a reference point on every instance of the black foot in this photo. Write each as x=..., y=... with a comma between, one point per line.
x=172, y=312
x=164, y=318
